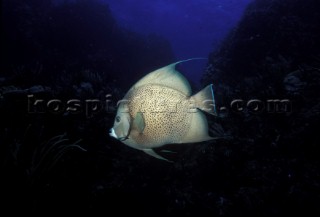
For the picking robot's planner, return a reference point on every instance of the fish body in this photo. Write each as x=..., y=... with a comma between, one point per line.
x=160, y=110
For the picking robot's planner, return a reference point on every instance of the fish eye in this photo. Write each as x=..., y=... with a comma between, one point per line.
x=118, y=119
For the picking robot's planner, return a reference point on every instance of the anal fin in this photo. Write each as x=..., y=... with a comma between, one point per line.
x=152, y=153
x=167, y=151
x=198, y=131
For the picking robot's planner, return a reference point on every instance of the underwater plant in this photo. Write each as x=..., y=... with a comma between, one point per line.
x=48, y=154
x=36, y=158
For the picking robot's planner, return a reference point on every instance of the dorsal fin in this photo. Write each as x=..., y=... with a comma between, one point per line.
x=168, y=76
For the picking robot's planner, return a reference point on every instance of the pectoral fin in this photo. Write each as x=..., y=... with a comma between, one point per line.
x=138, y=122
x=154, y=154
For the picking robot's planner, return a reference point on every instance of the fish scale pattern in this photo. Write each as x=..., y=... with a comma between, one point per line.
x=165, y=111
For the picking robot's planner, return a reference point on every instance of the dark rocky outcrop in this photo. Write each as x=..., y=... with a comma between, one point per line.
x=43, y=40
x=274, y=53
x=63, y=50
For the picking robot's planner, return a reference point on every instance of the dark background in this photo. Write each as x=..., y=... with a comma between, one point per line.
x=265, y=164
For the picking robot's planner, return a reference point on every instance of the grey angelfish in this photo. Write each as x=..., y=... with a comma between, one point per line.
x=159, y=109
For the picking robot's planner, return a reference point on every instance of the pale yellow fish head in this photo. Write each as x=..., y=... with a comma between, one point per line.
x=121, y=126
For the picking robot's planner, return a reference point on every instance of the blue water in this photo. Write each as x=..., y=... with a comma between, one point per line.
x=194, y=27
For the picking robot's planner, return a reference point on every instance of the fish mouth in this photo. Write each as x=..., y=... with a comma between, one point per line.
x=122, y=139
x=112, y=133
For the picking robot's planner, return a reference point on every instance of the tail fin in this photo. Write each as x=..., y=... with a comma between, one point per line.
x=204, y=100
